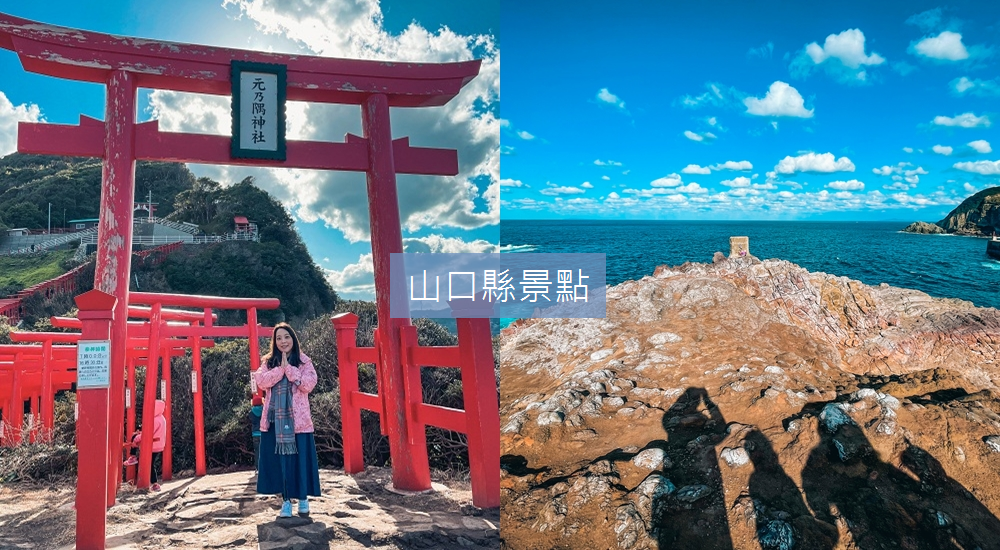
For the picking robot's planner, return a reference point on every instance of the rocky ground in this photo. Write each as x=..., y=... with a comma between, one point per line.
x=224, y=511
x=747, y=404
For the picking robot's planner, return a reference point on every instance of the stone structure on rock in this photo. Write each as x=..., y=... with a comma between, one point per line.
x=739, y=247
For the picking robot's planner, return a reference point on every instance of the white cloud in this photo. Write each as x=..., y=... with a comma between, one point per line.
x=908, y=149
x=981, y=146
x=435, y=244
x=606, y=178
x=717, y=95
x=712, y=121
x=507, y=182
x=600, y=162
x=695, y=169
x=693, y=136
x=883, y=171
x=613, y=195
x=763, y=52
x=655, y=191
x=672, y=180
x=357, y=280
x=604, y=96
x=10, y=115
x=850, y=185
x=842, y=56
x=976, y=87
x=964, y=120
x=743, y=165
x=926, y=20
x=811, y=162
x=946, y=46
x=984, y=167
x=848, y=47
x=897, y=186
x=740, y=181
x=780, y=100
x=692, y=188
x=525, y=135
x=969, y=188
x=942, y=149
x=563, y=190
x=334, y=28
x=587, y=185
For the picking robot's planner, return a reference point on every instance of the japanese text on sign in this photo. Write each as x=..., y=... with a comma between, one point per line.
x=258, y=110
x=93, y=364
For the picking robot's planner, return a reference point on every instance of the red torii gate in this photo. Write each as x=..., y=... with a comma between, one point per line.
x=125, y=64
x=56, y=365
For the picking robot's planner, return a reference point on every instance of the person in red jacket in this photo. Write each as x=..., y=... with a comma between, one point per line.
x=159, y=442
x=287, y=462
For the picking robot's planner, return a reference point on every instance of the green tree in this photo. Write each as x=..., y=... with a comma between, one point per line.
x=24, y=214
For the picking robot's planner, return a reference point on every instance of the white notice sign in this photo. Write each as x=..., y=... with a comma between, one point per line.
x=259, y=111
x=93, y=364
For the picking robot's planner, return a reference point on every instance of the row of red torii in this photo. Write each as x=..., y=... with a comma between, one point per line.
x=123, y=65
x=37, y=373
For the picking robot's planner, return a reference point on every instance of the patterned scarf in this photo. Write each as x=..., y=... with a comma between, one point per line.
x=284, y=422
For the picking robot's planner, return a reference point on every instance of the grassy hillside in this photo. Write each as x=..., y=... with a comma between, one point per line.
x=20, y=272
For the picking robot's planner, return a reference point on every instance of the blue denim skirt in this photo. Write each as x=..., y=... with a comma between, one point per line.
x=291, y=476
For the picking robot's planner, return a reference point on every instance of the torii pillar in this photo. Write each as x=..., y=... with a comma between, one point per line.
x=114, y=244
x=410, y=470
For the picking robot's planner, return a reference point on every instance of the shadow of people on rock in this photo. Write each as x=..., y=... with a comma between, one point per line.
x=690, y=512
x=952, y=508
x=776, y=505
x=873, y=504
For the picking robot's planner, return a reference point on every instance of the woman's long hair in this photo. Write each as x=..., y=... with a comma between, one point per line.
x=274, y=357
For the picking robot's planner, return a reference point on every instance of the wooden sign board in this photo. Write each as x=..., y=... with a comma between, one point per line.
x=258, y=110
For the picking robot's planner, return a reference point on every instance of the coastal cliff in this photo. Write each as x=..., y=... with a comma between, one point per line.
x=978, y=215
x=753, y=404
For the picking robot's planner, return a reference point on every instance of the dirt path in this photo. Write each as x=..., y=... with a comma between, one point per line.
x=224, y=511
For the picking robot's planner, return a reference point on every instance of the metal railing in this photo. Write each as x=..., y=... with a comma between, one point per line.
x=186, y=239
x=180, y=226
x=43, y=246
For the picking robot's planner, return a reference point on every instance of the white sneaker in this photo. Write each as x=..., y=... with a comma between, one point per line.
x=286, y=509
x=304, y=507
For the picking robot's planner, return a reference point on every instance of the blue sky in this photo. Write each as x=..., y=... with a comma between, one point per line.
x=458, y=214
x=748, y=110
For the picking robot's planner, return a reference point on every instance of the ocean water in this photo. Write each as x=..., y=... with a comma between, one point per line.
x=872, y=252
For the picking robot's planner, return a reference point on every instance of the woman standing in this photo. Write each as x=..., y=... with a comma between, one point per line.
x=288, y=463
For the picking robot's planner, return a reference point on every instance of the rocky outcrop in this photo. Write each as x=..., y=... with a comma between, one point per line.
x=924, y=228
x=223, y=510
x=753, y=404
x=978, y=215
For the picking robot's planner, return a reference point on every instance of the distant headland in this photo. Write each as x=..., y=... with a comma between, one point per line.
x=977, y=216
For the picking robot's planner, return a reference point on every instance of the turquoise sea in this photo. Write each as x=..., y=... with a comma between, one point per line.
x=871, y=252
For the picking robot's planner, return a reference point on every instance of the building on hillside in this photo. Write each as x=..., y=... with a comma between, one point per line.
x=143, y=211
x=80, y=225
x=20, y=231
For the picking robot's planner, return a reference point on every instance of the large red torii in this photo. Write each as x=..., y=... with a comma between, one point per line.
x=124, y=64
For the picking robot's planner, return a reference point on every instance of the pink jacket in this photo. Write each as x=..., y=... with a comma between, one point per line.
x=159, y=428
x=266, y=378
